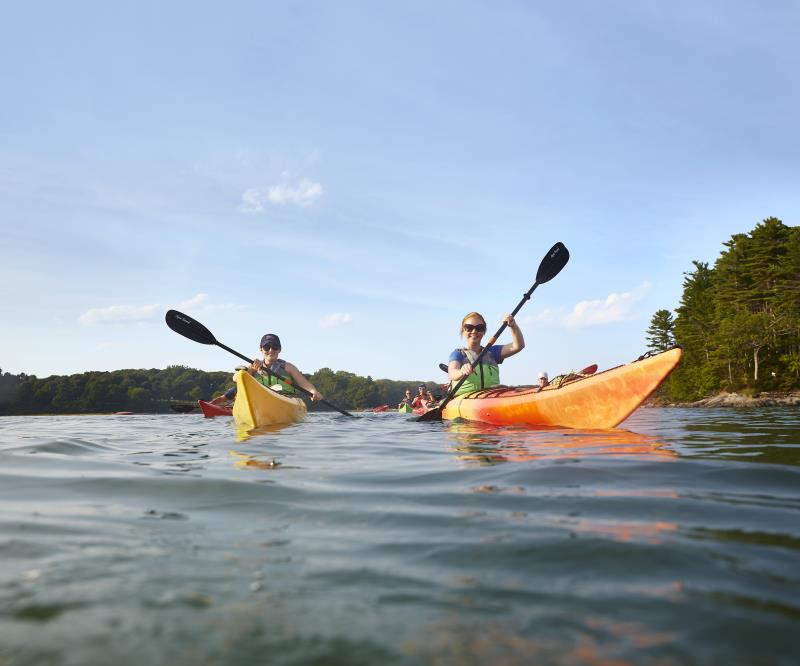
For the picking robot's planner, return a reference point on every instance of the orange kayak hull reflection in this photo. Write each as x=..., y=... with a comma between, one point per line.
x=597, y=401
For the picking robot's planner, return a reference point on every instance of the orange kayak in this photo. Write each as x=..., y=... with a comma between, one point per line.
x=597, y=401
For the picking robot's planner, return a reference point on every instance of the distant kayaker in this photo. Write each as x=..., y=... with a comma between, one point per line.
x=460, y=363
x=407, y=400
x=543, y=380
x=430, y=401
x=271, y=348
x=419, y=399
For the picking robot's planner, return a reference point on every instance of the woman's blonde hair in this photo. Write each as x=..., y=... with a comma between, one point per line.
x=469, y=316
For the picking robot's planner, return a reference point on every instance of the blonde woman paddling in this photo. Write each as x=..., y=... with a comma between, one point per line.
x=487, y=373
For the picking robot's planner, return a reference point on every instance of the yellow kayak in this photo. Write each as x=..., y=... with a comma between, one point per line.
x=256, y=405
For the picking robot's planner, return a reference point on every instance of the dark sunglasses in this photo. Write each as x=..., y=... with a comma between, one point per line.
x=268, y=348
x=481, y=328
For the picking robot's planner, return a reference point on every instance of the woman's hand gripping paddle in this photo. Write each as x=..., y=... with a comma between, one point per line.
x=555, y=259
x=194, y=330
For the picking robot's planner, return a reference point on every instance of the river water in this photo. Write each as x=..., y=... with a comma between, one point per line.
x=174, y=539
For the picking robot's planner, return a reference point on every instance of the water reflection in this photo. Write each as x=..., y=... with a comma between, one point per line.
x=488, y=444
x=248, y=461
x=244, y=433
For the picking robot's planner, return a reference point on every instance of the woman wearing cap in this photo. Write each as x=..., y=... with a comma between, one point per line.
x=265, y=371
x=460, y=364
x=419, y=399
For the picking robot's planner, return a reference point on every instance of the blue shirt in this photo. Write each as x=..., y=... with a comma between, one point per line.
x=494, y=351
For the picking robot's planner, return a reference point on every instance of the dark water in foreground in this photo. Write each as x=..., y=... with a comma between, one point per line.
x=166, y=540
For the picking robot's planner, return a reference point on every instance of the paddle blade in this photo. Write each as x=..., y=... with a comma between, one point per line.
x=555, y=259
x=189, y=328
x=434, y=414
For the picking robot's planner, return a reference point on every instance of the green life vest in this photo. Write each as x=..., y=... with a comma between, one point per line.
x=486, y=374
x=279, y=368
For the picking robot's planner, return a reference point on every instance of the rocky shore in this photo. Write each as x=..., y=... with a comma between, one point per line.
x=739, y=400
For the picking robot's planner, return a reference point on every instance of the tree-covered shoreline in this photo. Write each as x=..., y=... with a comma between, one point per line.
x=154, y=390
x=738, y=321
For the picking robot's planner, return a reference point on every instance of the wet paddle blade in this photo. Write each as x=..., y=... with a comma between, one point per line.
x=555, y=259
x=189, y=328
x=434, y=414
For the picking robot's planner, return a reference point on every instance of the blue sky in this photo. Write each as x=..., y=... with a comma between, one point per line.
x=357, y=176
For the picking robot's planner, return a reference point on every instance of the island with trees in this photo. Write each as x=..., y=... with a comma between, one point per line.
x=738, y=323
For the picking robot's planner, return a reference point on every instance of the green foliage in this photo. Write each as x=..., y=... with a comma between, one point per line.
x=739, y=322
x=151, y=391
x=120, y=390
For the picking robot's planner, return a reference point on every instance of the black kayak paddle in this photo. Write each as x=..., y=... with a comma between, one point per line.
x=555, y=259
x=194, y=330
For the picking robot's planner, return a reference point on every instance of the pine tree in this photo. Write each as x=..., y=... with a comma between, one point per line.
x=661, y=335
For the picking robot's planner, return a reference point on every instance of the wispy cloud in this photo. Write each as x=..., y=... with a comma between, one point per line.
x=302, y=193
x=614, y=308
x=194, y=301
x=119, y=314
x=335, y=319
x=126, y=314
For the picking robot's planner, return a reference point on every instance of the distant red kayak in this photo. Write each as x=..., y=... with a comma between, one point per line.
x=382, y=408
x=210, y=411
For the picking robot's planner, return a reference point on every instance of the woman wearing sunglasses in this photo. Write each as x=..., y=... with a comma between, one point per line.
x=460, y=364
x=261, y=369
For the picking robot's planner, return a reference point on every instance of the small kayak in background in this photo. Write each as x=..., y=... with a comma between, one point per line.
x=381, y=408
x=122, y=413
x=210, y=410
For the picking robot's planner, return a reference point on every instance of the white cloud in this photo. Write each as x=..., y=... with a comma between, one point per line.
x=125, y=314
x=335, y=319
x=302, y=194
x=194, y=301
x=615, y=307
x=118, y=314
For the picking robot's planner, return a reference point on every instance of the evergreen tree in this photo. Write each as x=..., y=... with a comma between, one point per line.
x=661, y=335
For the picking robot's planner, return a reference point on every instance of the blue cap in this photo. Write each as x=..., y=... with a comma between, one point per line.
x=270, y=340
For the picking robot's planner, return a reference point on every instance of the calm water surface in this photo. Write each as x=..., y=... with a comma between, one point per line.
x=377, y=540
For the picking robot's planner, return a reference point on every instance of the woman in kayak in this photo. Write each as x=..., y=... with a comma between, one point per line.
x=461, y=361
x=271, y=348
x=407, y=399
x=420, y=399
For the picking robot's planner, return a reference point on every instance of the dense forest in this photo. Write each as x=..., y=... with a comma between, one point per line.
x=155, y=390
x=738, y=321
